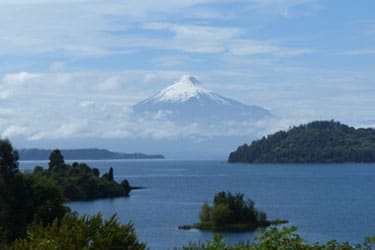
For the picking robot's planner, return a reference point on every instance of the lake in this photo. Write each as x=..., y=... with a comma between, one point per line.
x=325, y=201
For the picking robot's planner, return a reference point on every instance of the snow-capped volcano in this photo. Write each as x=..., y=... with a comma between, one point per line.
x=184, y=89
x=187, y=101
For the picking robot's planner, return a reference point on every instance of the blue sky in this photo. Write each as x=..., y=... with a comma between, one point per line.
x=72, y=68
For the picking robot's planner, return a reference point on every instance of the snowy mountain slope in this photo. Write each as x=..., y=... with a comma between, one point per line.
x=187, y=101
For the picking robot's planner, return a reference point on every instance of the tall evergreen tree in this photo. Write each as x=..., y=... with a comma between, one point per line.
x=110, y=173
x=8, y=159
x=56, y=159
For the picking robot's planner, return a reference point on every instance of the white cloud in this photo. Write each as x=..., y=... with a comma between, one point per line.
x=18, y=78
x=86, y=104
x=284, y=8
x=73, y=129
x=96, y=28
x=251, y=47
x=210, y=39
x=13, y=131
x=110, y=84
x=4, y=94
x=38, y=2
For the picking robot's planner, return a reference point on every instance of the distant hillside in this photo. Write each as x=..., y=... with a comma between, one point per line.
x=316, y=142
x=83, y=154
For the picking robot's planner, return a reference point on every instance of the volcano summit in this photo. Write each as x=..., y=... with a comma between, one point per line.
x=188, y=101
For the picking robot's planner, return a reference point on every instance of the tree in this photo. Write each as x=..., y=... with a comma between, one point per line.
x=220, y=215
x=56, y=160
x=12, y=194
x=204, y=215
x=46, y=198
x=8, y=159
x=96, y=172
x=25, y=199
x=110, y=174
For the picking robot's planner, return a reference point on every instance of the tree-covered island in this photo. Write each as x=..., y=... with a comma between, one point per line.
x=315, y=142
x=231, y=213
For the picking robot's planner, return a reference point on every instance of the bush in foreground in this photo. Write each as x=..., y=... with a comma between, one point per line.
x=73, y=232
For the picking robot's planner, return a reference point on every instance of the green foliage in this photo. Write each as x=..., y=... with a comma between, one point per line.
x=84, y=183
x=8, y=160
x=231, y=212
x=73, y=232
x=125, y=184
x=279, y=239
x=25, y=199
x=316, y=142
x=205, y=214
x=220, y=215
x=56, y=160
x=96, y=172
x=46, y=199
x=81, y=182
x=110, y=174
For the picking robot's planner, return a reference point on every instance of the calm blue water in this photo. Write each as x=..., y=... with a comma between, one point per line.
x=326, y=202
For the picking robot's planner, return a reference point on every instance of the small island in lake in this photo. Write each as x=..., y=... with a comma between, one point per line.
x=231, y=213
x=315, y=142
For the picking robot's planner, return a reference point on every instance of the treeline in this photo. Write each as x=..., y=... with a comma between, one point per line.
x=315, y=142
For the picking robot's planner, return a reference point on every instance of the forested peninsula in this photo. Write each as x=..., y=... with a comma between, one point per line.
x=79, y=181
x=315, y=142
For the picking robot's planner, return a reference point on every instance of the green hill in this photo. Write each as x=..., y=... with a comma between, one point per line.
x=315, y=142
